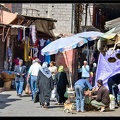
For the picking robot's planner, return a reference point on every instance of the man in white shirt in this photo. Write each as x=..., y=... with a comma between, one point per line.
x=32, y=74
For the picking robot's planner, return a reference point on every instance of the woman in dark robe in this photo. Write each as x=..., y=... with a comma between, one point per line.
x=62, y=83
x=44, y=85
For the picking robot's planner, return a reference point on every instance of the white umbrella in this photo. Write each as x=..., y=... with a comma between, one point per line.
x=63, y=44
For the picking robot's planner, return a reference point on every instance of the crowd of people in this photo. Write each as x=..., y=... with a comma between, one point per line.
x=50, y=81
x=43, y=79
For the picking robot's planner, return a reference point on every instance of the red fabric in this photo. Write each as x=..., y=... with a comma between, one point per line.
x=21, y=34
x=33, y=58
x=16, y=61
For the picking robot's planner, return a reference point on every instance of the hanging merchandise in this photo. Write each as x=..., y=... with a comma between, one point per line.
x=21, y=33
x=47, y=58
x=18, y=34
x=9, y=58
x=35, y=55
x=26, y=49
x=41, y=46
x=33, y=33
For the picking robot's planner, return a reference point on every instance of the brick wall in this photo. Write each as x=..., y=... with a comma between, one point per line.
x=61, y=12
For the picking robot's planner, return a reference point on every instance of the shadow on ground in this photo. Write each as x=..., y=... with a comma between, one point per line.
x=26, y=95
x=4, y=100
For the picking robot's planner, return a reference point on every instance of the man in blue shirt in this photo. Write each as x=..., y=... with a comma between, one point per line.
x=80, y=86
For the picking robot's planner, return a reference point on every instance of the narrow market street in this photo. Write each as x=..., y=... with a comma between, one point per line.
x=12, y=105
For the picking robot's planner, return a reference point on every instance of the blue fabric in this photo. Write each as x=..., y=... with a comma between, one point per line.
x=18, y=34
x=79, y=98
x=19, y=87
x=47, y=58
x=33, y=85
x=85, y=84
x=85, y=71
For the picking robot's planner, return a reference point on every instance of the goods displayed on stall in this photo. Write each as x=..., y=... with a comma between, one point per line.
x=109, y=57
x=33, y=44
x=7, y=76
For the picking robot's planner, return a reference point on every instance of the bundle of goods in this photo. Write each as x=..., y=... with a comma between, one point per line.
x=71, y=94
x=7, y=76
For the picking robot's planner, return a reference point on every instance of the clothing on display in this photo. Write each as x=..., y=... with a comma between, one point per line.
x=47, y=58
x=26, y=49
x=33, y=33
x=35, y=54
x=41, y=46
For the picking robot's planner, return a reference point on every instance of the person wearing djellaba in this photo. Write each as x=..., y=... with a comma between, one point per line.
x=44, y=85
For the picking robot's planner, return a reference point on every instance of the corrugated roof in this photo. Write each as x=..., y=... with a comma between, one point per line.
x=112, y=23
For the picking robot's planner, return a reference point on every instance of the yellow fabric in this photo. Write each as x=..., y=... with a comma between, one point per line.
x=110, y=36
x=60, y=69
x=111, y=97
x=26, y=50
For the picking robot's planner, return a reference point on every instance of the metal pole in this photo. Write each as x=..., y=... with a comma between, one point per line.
x=86, y=6
x=73, y=19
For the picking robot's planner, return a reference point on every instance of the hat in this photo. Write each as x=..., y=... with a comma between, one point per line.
x=33, y=61
x=37, y=60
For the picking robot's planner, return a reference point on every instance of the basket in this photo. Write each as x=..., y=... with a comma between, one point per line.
x=7, y=85
x=7, y=77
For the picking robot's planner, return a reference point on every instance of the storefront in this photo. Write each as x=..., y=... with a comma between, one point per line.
x=103, y=12
x=28, y=35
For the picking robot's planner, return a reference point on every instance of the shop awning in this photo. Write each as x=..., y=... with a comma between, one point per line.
x=112, y=23
x=7, y=17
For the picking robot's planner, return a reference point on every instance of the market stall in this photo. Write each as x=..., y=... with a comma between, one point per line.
x=109, y=58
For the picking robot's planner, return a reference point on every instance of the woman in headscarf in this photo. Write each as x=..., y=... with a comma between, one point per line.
x=44, y=85
x=62, y=83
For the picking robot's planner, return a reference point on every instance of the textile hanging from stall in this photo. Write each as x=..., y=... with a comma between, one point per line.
x=106, y=69
x=33, y=33
x=47, y=58
x=41, y=46
x=20, y=34
x=26, y=49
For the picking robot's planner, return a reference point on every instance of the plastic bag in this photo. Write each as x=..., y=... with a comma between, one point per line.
x=54, y=92
x=66, y=94
x=36, y=97
x=27, y=89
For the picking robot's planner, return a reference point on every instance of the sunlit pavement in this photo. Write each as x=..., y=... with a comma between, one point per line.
x=13, y=105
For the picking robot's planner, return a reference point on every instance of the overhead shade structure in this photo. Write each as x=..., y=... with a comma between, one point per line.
x=108, y=38
x=45, y=27
x=7, y=17
x=110, y=34
x=90, y=35
x=63, y=45
x=112, y=23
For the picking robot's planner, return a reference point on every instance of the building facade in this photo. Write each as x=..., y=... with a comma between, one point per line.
x=63, y=13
